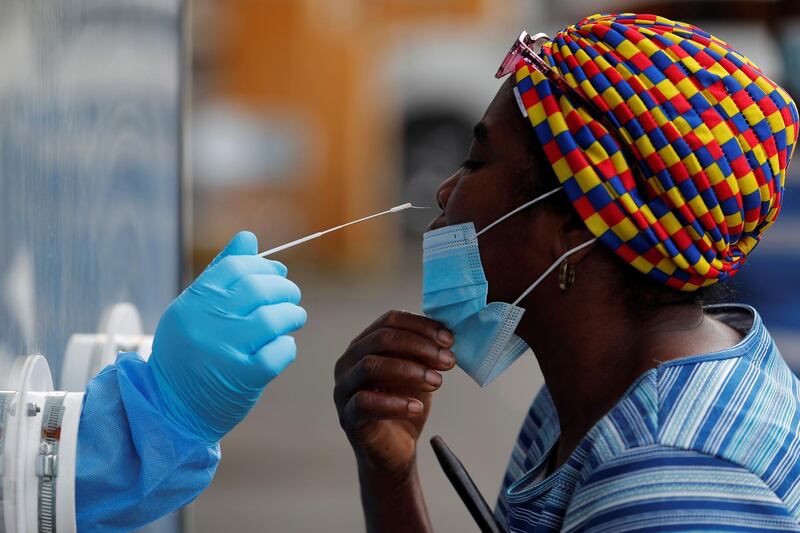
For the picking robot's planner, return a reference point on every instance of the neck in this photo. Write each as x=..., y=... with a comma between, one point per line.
x=590, y=358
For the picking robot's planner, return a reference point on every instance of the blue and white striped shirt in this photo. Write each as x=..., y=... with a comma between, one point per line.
x=708, y=442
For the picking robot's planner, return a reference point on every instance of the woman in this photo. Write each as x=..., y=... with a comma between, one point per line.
x=656, y=161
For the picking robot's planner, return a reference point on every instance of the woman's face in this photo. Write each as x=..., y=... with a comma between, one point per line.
x=493, y=180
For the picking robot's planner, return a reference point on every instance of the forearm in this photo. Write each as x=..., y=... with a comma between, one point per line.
x=134, y=465
x=394, y=503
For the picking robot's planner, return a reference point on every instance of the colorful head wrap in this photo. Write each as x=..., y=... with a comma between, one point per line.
x=711, y=136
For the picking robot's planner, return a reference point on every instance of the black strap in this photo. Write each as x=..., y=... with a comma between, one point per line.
x=465, y=487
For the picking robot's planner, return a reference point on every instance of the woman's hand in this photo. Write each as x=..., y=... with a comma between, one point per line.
x=384, y=384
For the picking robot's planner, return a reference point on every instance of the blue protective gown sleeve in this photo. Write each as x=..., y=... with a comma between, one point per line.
x=134, y=464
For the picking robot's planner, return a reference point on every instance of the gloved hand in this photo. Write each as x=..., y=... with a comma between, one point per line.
x=224, y=338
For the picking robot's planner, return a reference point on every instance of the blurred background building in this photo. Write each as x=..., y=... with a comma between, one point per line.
x=308, y=113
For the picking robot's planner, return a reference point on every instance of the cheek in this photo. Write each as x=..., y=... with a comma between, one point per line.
x=504, y=264
x=481, y=196
x=464, y=205
x=510, y=259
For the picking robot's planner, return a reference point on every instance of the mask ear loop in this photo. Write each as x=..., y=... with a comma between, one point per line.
x=552, y=267
x=517, y=210
x=558, y=261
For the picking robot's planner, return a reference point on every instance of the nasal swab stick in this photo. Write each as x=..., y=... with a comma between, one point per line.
x=313, y=236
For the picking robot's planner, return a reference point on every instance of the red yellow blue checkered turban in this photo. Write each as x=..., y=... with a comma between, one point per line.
x=709, y=134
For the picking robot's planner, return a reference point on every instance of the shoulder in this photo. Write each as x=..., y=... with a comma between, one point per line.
x=657, y=487
x=735, y=404
x=726, y=422
x=741, y=405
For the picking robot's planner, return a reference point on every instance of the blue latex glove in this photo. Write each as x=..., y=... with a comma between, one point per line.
x=224, y=338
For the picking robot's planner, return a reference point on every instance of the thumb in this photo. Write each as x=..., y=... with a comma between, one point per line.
x=243, y=243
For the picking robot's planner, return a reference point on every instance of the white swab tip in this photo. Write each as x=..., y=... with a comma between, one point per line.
x=404, y=207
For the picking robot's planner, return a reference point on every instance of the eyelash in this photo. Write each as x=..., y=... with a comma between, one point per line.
x=471, y=164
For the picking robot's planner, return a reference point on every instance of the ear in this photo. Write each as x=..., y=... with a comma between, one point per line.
x=571, y=233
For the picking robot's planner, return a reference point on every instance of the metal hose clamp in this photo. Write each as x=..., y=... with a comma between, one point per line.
x=47, y=461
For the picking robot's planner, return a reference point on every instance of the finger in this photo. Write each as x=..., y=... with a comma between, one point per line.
x=269, y=322
x=422, y=325
x=255, y=290
x=367, y=406
x=282, y=269
x=273, y=358
x=230, y=269
x=403, y=344
x=243, y=243
x=408, y=345
x=380, y=372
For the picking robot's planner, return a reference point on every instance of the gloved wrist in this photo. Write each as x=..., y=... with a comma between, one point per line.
x=178, y=411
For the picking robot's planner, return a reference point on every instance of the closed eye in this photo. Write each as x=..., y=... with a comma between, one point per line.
x=471, y=164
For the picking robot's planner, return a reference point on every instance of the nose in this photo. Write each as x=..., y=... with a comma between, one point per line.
x=442, y=196
x=445, y=190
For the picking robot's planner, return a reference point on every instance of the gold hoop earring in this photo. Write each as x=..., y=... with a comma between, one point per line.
x=566, y=276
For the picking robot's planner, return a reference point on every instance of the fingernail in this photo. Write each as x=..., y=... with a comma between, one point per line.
x=282, y=269
x=434, y=378
x=445, y=337
x=415, y=406
x=447, y=358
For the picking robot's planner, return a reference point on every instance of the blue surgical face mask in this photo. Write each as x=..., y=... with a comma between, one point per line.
x=454, y=292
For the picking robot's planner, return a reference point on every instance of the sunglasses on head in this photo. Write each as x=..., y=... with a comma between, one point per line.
x=528, y=49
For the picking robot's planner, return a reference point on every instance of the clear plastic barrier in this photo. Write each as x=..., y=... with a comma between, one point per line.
x=90, y=166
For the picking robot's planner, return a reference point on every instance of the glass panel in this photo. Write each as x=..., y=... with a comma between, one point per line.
x=90, y=164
